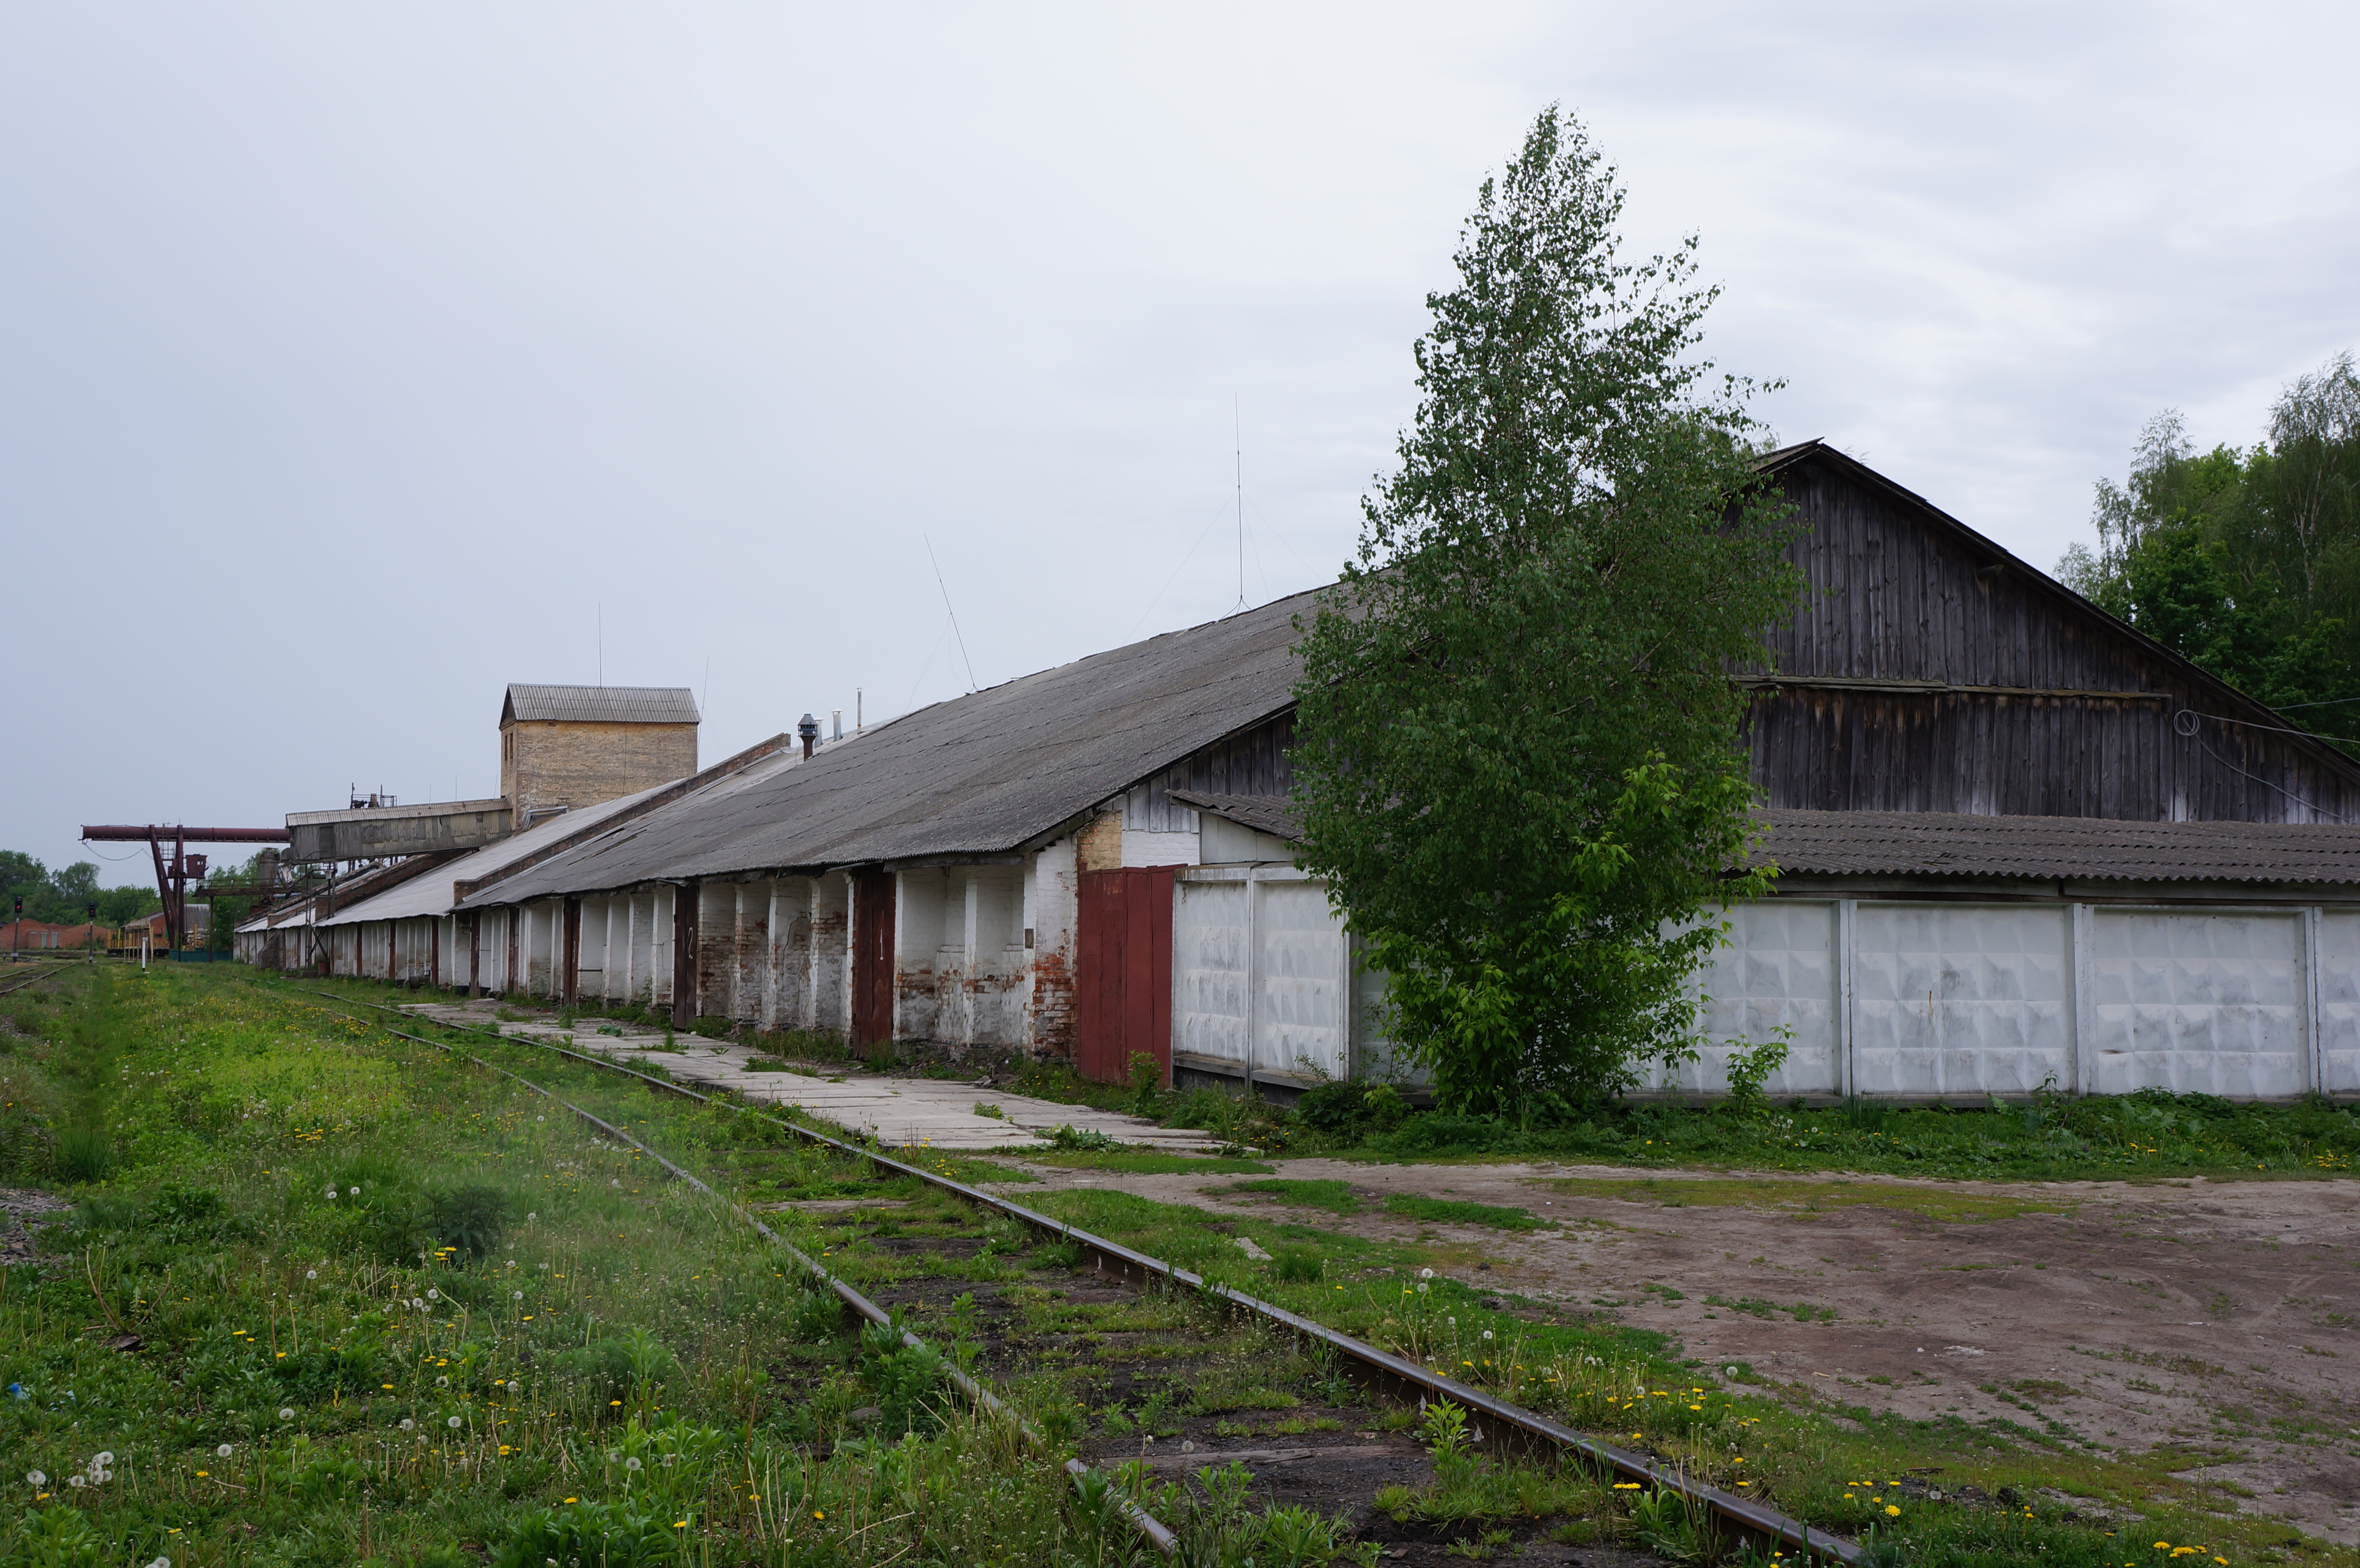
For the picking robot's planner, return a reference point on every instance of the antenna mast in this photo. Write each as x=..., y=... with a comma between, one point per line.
x=1238, y=416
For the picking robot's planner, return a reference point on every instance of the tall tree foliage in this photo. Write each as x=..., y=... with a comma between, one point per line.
x=2247, y=563
x=64, y=896
x=1517, y=756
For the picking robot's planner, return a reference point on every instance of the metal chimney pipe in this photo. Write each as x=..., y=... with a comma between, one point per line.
x=836, y=720
x=808, y=727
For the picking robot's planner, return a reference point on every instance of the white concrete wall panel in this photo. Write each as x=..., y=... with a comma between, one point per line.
x=2205, y=1003
x=1209, y=1011
x=1305, y=1008
x=1777, y=970
x=2339, y=1002
x=1961, y=998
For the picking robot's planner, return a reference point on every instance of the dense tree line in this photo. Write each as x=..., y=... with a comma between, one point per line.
x=2246, y=561
x=64, y=896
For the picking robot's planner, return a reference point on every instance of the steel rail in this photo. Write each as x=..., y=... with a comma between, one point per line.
x=1751, y=1518
x=1137, y=1517
x=17, y=983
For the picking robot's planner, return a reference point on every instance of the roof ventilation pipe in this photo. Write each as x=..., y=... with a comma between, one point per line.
x=808, y=727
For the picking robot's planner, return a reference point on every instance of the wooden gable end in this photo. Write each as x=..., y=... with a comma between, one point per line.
x=1928, y=670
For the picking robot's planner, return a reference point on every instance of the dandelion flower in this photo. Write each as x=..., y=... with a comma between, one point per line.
x=35, y=1477
x=352, y=1191
x=286, y=1412
x=75, y=1481
x=434, y=1295
x=443, y=1382
x=1891, y=1511
x=223, y=1452
x=631, y=1463
x=311, y=1273
x=407, y=1424
x=453, y=1423
x=162, y=1563
x=517, y=1295
x=331, y=1195
x=103, y=1458
x=514, y=1387
x=1487, y=1334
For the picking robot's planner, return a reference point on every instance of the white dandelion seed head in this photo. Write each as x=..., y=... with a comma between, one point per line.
x=531, y=1217
x=406, y=1424
x=34, y=1477
x=352, y=1191
x=101, y=1459
x=434, y=1295
x=614, y=1181
x=331, y=1195
x=1425, y=1273
x=443, y=1382
x=75, y=1481
x=223, y=1452
x=286, y=1412
x=1487, y=1334
x=631, y=1463
x=542, y=1266
x=1421, y=1286
x=672, y=1459
x=162, y=1563
x=453, y=1423
x=517, y=1294
x=1730, y=1370
x=514, y=1387
x=311, y=1273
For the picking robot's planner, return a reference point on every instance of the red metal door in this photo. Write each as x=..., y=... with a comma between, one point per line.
x=1123, y=984
x=872, y=957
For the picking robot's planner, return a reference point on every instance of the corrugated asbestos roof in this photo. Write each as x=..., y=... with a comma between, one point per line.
x=1936, y=844
x=600, y=704
x=430, y=893
x=1272, y=815
x=982, y=774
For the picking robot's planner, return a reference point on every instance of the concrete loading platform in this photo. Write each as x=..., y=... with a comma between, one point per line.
x=915, y=1112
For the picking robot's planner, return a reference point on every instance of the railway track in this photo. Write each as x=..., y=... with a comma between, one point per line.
x=1376, y=1370
x=19, y=982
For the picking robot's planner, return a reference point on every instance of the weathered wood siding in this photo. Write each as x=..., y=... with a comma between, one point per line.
x=1898, y=592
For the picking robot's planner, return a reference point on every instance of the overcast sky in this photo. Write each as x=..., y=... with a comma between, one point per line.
x=352, y=358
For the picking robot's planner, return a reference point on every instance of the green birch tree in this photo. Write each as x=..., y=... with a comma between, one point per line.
x=1518, y=755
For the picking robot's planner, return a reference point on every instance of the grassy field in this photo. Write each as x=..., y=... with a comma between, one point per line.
x=327, y=1296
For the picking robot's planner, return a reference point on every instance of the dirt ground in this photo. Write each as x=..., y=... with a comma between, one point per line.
x=2221, y=1316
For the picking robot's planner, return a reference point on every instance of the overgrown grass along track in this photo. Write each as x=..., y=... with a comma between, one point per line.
x=19, y=982
x=1093, y=1486
x=1322, y=1349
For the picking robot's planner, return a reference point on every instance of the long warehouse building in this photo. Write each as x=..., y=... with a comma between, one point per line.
x=2020, y=844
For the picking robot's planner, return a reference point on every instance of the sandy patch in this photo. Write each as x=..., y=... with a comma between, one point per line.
x=2221, y=1316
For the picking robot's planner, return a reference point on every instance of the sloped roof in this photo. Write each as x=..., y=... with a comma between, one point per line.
x=982, y=774
x=1941, y=843
x=430, y=893
x=1272, y=815
x=600, y=704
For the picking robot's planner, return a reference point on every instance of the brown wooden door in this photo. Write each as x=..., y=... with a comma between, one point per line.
x=685, y=897
x=872, y=957
x=569, y=983
x=1123, y=984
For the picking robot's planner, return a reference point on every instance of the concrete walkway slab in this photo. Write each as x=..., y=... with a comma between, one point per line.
x=915, y=1112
